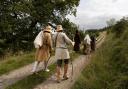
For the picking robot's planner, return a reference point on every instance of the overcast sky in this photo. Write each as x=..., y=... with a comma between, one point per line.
x=94, y=13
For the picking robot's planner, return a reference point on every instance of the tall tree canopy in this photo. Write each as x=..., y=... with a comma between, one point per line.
x=19, y=17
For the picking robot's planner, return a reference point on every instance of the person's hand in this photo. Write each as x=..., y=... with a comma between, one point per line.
x=39, y=47
x=50, y=51
x=73, y=43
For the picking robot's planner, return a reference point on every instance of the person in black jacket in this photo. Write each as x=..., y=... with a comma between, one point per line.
x=77, y=41
x=93, y=43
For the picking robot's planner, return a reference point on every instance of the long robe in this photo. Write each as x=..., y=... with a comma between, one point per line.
x=43, y=52
x=93, y=43
x=87, y=43
x=77, y=42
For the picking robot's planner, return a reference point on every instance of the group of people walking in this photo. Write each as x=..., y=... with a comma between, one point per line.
x=88, y=43
x=44, y=43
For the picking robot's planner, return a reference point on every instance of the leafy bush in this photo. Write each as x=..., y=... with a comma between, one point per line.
x=120, y=26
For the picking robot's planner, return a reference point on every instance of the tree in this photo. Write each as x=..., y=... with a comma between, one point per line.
x=111, y=22
x=120, y=26
x=19, y=17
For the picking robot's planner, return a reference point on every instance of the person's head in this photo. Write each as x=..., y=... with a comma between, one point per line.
x=87, y=35
x=59, y=28
x=77, y=31
x=48, y=29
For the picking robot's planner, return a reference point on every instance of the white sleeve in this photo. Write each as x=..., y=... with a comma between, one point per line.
x=68, y=41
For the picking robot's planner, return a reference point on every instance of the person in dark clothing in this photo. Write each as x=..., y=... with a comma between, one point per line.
x=77, y=41
x=93, y=43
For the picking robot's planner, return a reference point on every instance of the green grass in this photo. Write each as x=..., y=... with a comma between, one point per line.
x=15, y=62
x=109, y=66
x=31, y=81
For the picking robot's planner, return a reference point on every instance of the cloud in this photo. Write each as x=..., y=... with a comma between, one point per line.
x=114, y=0
x=95, y=13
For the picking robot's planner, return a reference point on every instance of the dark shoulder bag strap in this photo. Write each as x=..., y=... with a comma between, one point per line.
x=56, y=39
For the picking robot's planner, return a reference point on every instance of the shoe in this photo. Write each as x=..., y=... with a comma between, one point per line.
x=47, y=70
x=65, y=77
x=58, y=81
x=35, y=73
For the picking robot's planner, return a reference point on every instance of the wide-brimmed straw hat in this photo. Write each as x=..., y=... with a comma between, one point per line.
x=59, y=28
x=48, y=29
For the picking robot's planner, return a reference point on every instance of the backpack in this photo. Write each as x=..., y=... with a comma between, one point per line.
x=85, y=42
x=38, y=42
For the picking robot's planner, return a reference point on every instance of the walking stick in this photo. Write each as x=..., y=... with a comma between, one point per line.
x=47, y=61
x=72, y=69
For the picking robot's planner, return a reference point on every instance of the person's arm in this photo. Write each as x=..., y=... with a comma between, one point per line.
x=68, y=41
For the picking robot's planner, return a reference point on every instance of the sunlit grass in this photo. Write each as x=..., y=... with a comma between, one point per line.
x=15, y=62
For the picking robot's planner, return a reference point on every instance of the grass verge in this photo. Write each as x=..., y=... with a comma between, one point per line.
x=15, y=62
x=108, y=67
